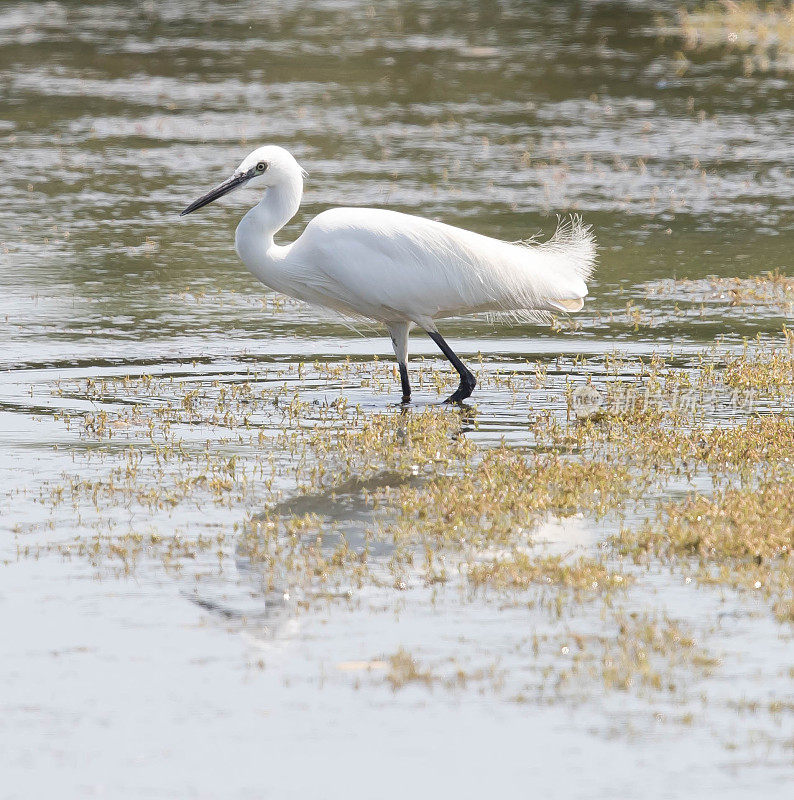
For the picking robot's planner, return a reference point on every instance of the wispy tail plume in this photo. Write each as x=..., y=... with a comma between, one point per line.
x=575, y=243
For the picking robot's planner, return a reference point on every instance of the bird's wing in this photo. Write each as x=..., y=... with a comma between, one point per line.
x=391, y=265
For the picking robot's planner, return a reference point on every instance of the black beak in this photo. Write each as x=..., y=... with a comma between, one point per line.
x=219, y=191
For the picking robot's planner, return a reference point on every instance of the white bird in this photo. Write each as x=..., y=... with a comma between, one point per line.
x=399, y=269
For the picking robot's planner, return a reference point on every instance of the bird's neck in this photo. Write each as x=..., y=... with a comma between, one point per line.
x=278, y=207
x=254, y=238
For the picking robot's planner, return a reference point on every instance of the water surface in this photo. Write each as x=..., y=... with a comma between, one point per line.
x=203, y=681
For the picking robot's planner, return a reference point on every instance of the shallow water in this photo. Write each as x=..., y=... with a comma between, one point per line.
x=198, y=678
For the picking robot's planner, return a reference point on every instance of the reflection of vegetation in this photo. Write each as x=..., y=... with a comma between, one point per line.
x=764, y=31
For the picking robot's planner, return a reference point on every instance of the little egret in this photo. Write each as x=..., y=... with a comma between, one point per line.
x=399, y=269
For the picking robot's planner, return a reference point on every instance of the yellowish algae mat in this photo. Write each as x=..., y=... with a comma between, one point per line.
x=272, y=472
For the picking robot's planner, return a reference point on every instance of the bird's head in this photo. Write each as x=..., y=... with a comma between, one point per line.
x=266, y=166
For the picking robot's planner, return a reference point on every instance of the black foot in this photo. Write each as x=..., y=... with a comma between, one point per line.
x=467, y=380
x=467, y=384
x=406, y=398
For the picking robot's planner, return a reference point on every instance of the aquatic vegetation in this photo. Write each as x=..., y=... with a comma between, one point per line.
x=738, y=536
x=750, y=523
x=769, y=369
x=505, y=492
x=774, y=289
x=523, y=569
x=404, y=669
x=649, y=652
x=275, y=472
x=762, y=30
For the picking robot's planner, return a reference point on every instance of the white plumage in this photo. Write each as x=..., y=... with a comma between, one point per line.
x=400, y=269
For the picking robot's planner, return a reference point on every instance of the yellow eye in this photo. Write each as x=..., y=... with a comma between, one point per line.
x=261, y=166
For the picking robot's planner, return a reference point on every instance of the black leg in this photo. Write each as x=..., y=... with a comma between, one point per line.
x=399, y=338
x=467, y=380
x=405, y=383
